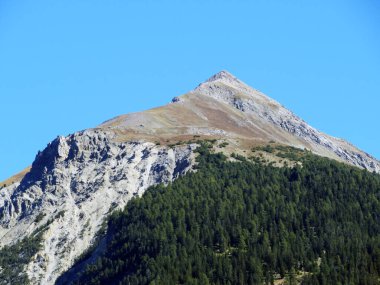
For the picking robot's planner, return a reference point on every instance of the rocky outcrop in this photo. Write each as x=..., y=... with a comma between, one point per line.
x=227, y=88
x=74, y=184
x=225, y=107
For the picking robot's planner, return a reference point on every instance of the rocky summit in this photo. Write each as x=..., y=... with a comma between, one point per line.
x=78, y=180
x=226, y=108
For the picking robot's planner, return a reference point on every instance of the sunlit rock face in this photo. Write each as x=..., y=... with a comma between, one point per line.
x=76, y=182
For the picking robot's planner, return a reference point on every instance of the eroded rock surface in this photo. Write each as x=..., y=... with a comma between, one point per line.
x=227, y=88
x=77, y=181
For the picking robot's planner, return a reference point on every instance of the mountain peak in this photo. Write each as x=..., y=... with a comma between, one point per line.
x=222, y=76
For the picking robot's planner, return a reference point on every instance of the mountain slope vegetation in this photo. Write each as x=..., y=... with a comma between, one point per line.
x=248, y=223
x=14, y=258
x=90, y=173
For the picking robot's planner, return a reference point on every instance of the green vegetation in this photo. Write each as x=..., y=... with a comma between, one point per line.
x=223, y=144
x=292, y=153
x=60, y=214
x=268, y=148
x=281, y=151
x=245, y=223
x=39, y=217
x=14, y=258
x=238, y=157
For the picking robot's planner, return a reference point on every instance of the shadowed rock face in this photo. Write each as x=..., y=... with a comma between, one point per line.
x=88, y=174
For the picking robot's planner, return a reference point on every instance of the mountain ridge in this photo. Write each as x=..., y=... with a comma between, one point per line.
x=225, y=78
x=77, y=180
x=261, y=117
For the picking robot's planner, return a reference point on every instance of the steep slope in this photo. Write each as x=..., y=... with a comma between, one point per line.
x=225, y=107
x=79, y=179
x=73, y=185
x=15, y=178
x=247, y=223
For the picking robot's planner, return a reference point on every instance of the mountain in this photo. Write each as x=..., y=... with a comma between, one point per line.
x=78, y=180
x=244, y=222
x=225, y=108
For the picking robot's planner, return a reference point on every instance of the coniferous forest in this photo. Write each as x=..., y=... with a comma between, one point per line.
x=248, y=223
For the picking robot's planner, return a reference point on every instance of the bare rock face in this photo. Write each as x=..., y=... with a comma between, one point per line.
x=225, y=107
x=75, y=183
x=227, y=88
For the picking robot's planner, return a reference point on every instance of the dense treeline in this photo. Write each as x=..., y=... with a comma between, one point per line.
x=245, y=223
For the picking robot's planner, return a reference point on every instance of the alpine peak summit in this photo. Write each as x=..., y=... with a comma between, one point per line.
x=224, y=107
x=223, y=78
x=223, y=75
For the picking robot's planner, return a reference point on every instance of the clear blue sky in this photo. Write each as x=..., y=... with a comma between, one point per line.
x=70, y=65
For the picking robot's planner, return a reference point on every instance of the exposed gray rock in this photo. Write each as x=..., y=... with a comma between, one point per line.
x=227, y=88
x=86, y=175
